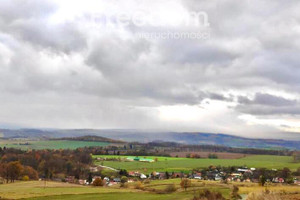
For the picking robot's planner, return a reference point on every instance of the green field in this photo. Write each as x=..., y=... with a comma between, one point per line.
x=185, y=164
x=48, y=144
x=36, y=190
x=55, y=190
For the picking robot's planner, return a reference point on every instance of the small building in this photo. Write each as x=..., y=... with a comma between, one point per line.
x=139, y=159
x=93, y=169
x=143, y=176
x=82, y=181
x=177, y=175
x=117, y=180
x=70, y=179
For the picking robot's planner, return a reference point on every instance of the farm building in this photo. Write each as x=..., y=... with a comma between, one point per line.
x=140, y=159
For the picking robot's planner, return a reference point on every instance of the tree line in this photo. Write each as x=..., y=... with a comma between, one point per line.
x=48, y=164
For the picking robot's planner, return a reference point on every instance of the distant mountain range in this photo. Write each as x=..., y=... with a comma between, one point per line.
x=150, y=136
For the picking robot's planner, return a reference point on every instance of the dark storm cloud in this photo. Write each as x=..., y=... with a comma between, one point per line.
x=266, y=104
x=267, y=99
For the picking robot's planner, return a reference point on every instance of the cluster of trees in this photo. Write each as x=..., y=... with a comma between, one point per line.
x=48, y=164
x=165, y=148
x=192, y=155
x=195, y=155
x=296, y=156
x=217, y=148
x=13, y=170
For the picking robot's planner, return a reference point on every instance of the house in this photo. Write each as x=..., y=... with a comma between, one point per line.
x=218, y=177
x=281, y=180
x=106, y=179
x=134, y=174
x=236, y=175
x=117, y=180
x=143, y=176
x=161, y=175
x=70, y=179
x=177, y=175
x=196, y=176
x=93, y=169
x=82, y=181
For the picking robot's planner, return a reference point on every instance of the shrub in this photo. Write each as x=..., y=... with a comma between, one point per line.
x=212, y=156
x=234, y=193
x=170, y=188
x=124, y=185
x=185, y=183
x=262, y=180
x=139, y=185
x=124, y=179
x=263, y=196
x=147, y=181
x=208, y=195
x=30, y=172
x=98, y=182
x=25, y=178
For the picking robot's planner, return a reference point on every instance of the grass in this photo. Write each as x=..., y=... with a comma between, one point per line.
x=48, y=144
x=115, y=196
x=54, y=190
x=185, y=164
x=34, y=190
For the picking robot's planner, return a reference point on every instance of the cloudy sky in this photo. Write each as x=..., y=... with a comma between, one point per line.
x=78, y=64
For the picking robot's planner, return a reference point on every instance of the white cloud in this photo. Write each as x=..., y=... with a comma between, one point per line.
x=63, y=66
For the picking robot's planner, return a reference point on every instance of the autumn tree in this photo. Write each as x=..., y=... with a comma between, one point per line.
x=4, y=171
x=235, y=193
x=98, y=182
x=14, y=170
x=90, y=178
x=30, y=172
x=262, y=180
x=185, y=183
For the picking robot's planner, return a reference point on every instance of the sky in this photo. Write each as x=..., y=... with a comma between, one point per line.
x=174, y=65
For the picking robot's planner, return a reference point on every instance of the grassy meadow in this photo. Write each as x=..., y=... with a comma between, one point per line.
x=152, y=191
x=48, y=144
x=185, y=164
x=54, y=190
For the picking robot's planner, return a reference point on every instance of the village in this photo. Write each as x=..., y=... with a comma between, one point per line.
x=111, y=176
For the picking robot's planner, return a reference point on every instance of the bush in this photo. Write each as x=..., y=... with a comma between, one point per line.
x=290, y=180
x=139, y=185
x=234, y=193
x=124, y=179
x=124, y=185
x=185, y=183
x=263, y=196
x=25, y=178
x=98, y=182
x=30, y=172
x=170, y=188
x=147, y=181
x=212, y=156
x=208, y=195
